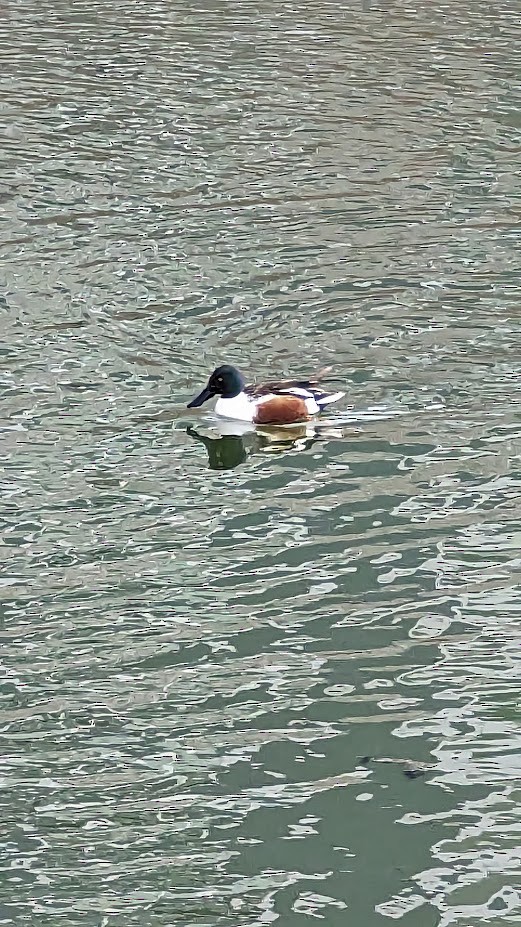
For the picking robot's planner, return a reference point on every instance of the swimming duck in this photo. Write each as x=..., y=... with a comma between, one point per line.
x=279, y=402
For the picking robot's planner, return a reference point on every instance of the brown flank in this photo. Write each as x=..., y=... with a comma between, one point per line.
x=281, y=410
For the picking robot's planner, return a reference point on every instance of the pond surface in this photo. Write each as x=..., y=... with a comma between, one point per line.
x=254, y=680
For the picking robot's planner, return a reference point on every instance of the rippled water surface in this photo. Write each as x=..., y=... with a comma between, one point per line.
x=268, y=678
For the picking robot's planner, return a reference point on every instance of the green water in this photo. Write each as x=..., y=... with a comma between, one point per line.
x=247, y=680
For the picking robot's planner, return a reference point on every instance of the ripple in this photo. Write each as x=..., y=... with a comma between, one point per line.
x=230, y=661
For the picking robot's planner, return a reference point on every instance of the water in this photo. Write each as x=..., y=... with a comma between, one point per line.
x=249, y=680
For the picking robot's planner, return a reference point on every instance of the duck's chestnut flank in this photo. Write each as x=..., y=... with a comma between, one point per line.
x=281, y=410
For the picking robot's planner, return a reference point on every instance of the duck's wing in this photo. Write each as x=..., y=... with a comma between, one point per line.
x=273, y=387
x=307, y=389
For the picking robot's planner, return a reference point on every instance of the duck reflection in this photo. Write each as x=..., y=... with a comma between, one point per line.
x=230, y=446
x=225, y=452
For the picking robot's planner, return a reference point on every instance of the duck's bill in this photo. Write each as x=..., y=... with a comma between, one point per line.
x=202, y=397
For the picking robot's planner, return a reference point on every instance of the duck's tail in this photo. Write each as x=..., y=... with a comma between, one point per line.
x=321, y=396
x=324, y=399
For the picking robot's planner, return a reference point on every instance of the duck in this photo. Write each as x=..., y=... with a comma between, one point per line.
x=277, y=402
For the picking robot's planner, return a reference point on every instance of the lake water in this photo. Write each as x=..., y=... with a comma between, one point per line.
x=259, y=680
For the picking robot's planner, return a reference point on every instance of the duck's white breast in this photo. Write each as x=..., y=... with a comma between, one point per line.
x=240, y=407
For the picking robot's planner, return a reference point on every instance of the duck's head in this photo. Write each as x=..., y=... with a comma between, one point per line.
x=225, y=381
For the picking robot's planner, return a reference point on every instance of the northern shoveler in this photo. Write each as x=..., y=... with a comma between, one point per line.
x=279, y=402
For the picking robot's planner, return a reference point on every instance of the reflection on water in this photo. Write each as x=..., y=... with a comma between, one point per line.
x=224, y=452
x=228, y=450
x=260, y=677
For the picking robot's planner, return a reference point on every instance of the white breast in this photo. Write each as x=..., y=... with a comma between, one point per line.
x=240, y=407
